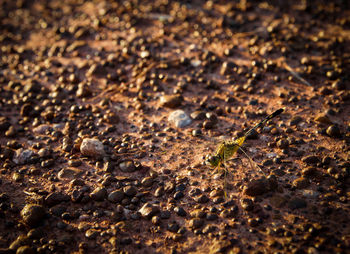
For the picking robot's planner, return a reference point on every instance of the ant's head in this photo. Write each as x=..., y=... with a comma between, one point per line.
x=212, y=160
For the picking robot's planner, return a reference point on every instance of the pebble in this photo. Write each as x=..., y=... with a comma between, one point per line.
x=116, y=196
x=91, y=233
x=295, y=120
x=301, y=183
x=247, y=204
x=17, y=177
x=41, y=129
x=165, y=215
x=256, y=187
x=323, y=118
x=278, y=201
x=311, y=159
x=283, y=143
x=339, y=85
x=4, y=123
x=148, y=210
x=179, y=118
x=130, y=191
x=309, y=172
x=127, y=166
x=69, y=173
x=22, y=156
x=297, y=203
x=196, y=223
x=178, y=195
x=171, y=101
x=310, y=194
x=33, y=215
x=198, y=115
x=55, y=198
x=173, y=227
x=147, y=181
x=92, y=147
x=99, y=194
x=156, y=220
x=21, y=240
x=180, y=211
x=202, y=199
x=333, y=131
x=83, y=91
x=25, y=250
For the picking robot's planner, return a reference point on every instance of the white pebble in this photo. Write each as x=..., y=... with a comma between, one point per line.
x=92, y=147
x=179, y=118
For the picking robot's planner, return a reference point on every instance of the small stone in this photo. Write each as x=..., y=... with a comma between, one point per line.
x=55, y=198
x=209, y=228
x=26, y=110
x=207, y=124
x=97, y=70
x=202, y=199
x=33, y=215
x=99, y=194
x=165, y=215
x=116, y=196
x=159, y=191
x=69, y=173
x=178, y=195
x=339, y=85
x=198, y=115
x=295, y=120
x=301, y=183
x=322, y=118
x=212, y=216
x=283, y=143
x=4, y=123
x=333, y=131
x=179, y=118
x=297, y=203
x=25, y=250
x=173, y=227
x=91, y=233
x=171, y=101
x=196, y=223
x=310, y=159
x=309, y=172
x=127, y=166
x=216, y=193
x=17, y=177
x=310, y=194
x=33, y=87
x=180, y=211
x=83, y=91
x=92, y=147
x=278, y=201
x=156, y=220
x=111, y=118
x=147, y=181
x=256, y=187
x=22, y=156
x=41, y=129
x=148, y=210
x=35, y=233
x=21, y=240
x=130, y=191
x=247, y=204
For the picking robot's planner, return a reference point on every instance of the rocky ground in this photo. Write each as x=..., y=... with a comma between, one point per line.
x=97, y=158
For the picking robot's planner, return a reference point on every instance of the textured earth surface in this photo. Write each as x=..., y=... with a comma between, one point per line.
x=108, y=109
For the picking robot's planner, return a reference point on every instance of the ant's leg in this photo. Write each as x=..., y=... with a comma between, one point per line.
x=251, y=161
x=225, y=181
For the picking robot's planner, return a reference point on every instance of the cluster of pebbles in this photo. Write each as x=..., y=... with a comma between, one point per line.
x=107, y=109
